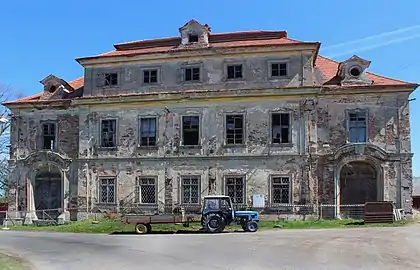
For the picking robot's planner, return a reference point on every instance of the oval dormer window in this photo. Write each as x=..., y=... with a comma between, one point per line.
x=355, y=71
x=53, y=88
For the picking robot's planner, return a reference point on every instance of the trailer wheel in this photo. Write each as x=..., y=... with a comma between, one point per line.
x=252, y=226
x=141, y=228
x=214, y=223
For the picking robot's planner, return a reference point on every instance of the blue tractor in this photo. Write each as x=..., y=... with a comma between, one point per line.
x=218, y=212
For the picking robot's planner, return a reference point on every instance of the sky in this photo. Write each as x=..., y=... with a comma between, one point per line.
x=39, y=38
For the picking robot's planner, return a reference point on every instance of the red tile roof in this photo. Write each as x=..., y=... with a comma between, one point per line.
x=327, y=68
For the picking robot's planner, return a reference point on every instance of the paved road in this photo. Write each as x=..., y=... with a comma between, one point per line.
x=361, y=248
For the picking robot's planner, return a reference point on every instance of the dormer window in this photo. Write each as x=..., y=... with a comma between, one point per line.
x=192, y=38
x=355, y=71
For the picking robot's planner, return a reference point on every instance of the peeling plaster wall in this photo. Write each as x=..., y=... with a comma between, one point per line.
x=213, y=75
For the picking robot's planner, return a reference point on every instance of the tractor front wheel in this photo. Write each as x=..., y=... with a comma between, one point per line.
x=252, y=226
x=214, y=223
x=142, y=228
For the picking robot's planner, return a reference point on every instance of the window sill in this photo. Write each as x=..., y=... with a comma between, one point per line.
x=190, y=146
x=238, y=80
x=234, y=146
x=101, y=148
x=280, y=145
x=144, y=147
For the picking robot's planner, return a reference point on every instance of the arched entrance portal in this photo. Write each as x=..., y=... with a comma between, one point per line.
x=359, y=183
x=48, y=192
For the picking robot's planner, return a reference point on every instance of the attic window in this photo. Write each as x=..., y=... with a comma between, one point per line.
x=192, y=38
x=355, y=71
x=53, y=88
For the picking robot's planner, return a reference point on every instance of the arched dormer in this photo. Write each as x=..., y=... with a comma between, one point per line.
x=353, y=71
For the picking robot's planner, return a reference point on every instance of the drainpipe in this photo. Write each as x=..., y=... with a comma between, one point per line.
x=398, y=146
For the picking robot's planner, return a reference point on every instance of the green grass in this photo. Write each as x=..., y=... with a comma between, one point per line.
x=11, y=263
x=115, y=226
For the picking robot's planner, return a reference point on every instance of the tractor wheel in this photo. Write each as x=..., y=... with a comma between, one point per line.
x=214, y=223
x=141, y=228
x=243, y=225
x=252, y=226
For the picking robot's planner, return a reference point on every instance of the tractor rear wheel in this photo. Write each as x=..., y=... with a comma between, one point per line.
x=214, y=223
x=252, y=226
x=141, y=228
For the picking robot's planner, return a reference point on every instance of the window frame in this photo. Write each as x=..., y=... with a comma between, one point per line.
x=233, y=64
x=156, y=130
x=270, y=68
x=290, y=134
x=150, y=69
x=181, y=189
x=271, y=188
x=182, y=143
x=192, y=67
x=116, y=132
x=49, y=122
x=243, y=114
x=110, y=81
x=244, y=187
x=137, y=191
x=357, y=111
x=115, y=198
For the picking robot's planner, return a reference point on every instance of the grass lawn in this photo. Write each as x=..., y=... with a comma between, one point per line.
x=12, y=263
x=115, y=226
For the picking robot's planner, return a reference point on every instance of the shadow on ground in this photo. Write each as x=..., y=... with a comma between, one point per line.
x=175, y=232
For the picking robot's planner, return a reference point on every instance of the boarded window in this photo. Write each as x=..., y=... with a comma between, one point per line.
x=108, y=133
x=48, y=136
x=107, y=190
x=190, y=130
x=234, y=71
x=357, y=127
x=148, y=131
x=146, y=190
x=190, y=189
x=280, y=189
x=235, y=189
x=235, y=129
x=280, y=128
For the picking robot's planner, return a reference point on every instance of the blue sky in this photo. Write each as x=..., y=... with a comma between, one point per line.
x=44, y=37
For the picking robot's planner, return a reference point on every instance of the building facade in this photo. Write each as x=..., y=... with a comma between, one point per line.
x=157, y=124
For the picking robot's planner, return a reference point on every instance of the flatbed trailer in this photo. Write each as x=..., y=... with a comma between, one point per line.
x=143, y=223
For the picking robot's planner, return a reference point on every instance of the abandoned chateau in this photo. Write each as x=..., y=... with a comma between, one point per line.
x=158, y=124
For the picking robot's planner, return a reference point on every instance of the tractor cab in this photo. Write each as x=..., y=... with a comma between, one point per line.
x=217, y=212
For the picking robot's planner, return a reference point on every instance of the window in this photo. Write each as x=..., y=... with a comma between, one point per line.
x=280, y=189
x=280, y=128
x=235, y=129
x=111, y=79
x=107, y=190
x=192, y=74
x=235, y=188
x=192, y=38
x=357, y=127
x=148, y=131
x=150, y=76
x=48, y=136
x=108, y=133
x=190, y=130
x=190, y=187
x=278, y=69
x=234, y=71
x=146, y=190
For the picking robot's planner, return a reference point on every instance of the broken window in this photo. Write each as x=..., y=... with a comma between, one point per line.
x=280, y=128
x=108, y=133
x=192, y=74
x=111, y=79
x=234, y=71
x=235, y=129
x=235, y=188
x=48, y=136
x=148, y=131
x=357, y=127
x=150, y=76
x=192, y=38
x=107, y=190
x=278, y=69
x=280, y=189
x=190, y=189
x=146, y=190
x=190, y=130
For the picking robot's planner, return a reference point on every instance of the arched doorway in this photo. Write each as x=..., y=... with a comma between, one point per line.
x=359, y=183
x=48, y=192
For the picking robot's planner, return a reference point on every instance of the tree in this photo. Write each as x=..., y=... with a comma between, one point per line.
x=6, y=94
